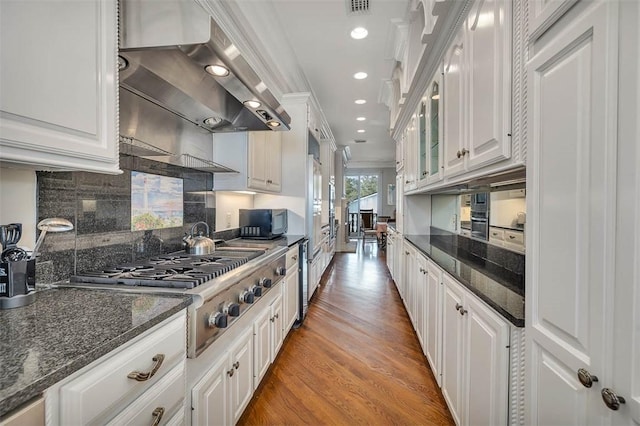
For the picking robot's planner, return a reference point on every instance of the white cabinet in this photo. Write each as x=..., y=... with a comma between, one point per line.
x=400, y=154
x=410, y=151
x=430, y=146
x=276, y=318
x=291, y=289
x=391, y=241
x=223, y=393
x=477, y=90
x=433, y=319
x=255, y=155
x=145, y=373
x=400, y=203
x=267, y=338
x=58, y=108
x=580, y=270
x=475, y=355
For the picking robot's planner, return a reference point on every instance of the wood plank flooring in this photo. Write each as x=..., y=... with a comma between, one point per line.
x=355, y=360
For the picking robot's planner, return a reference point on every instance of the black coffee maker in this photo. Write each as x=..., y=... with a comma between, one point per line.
x=17, y=270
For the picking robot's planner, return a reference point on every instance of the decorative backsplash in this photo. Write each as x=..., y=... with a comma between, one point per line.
x=99, y=206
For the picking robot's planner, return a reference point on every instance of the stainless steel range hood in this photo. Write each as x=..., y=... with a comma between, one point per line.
x=165, y=48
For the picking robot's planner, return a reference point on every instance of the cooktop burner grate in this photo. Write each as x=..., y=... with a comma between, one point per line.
x=171, y=271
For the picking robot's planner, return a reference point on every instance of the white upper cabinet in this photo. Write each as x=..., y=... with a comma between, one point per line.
x=58, y=108
x=477, y=90
x=488, y=50
x=543, y=13
x=257, y=156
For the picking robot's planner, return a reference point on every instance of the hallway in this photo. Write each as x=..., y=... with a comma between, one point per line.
x=355, y=360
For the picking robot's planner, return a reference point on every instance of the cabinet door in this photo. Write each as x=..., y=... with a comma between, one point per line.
x=276, y=327
x=433, y=319
x=488, y=52
x=544, y=13
x=211, y=397
x=400, y=153
x=257, y=167
x=58, y=102
x=291, y=299
x=453, y=106
x=241, y=357
x=261, y=346
x=411, y=154
x=273, y=159
x=452, y=347
x=421, y=301
x=486, y=343
x=399, y=205
x=423, y=140
x=435, y=129
x=573, y=90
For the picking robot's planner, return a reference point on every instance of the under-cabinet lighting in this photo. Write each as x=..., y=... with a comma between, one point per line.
x=273, y=123
x=217, y=70
x=252, y=104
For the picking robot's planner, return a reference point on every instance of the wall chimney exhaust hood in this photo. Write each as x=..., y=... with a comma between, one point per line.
x=173, y=54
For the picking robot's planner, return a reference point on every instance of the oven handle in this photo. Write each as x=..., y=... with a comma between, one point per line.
x=478, y=219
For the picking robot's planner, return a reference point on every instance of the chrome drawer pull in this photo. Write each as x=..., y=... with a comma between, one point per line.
x=157, y=416
x=141, y=377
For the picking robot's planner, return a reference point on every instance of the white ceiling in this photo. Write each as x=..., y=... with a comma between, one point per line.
x=318, y=35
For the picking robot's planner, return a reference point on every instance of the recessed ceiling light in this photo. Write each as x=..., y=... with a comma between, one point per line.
x=252, y=104
x=273, y=123
x=361, y=118
x=361, y=131
x=217, y=70
x=360, y=101
x=359, y=33
x=360, y=75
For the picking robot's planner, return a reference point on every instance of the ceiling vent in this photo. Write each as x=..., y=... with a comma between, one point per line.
x=358, y=7
x=360, y=141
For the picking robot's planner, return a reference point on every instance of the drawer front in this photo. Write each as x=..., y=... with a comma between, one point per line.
x=164, y=400
x=292, y=259
x=465, y=233
x=105, y=388
x=514, y=237
x=496, y=234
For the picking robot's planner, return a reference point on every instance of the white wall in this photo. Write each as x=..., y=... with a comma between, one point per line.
x=18, y=194
x=444, y=212
x=505, y=206
x=227, y=206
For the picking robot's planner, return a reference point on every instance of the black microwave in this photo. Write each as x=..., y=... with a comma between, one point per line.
x=263, y=223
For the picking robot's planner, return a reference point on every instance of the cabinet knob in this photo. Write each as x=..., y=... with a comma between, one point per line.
x=142, y=377
x=458, y=306
x=295, y=257
x=512, y=237
x=406, y=181
x=157, y=416
x=464, y=151
x=586, y=378
x=459, y=154
x=611, y=399
x=236, y=365
x=230, y=372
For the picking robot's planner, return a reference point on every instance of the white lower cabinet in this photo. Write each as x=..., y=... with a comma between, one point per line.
x=475, y=358
x=221, y=396
x=290, y=290
x=142, y=381
x=433, y=319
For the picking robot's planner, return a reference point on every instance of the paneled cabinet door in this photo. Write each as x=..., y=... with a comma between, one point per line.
x=273, y=158
x=277, y=336
x=486, y=342
x=573, y=86
x=257, y=167
x=291, y=299
x=58, y=102
x=421, y=299
x=433, y=319
x=211, y=397
x=453, y=106
x=488, y=50
x=261, y=345
x=241, y=361
x=452, y=347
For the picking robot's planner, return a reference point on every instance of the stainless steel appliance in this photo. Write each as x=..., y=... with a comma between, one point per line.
x=480, y=215
x=303, y=281
x=263, y=223
x=224, y=285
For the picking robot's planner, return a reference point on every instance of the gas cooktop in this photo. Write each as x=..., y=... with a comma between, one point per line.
x=176, y=270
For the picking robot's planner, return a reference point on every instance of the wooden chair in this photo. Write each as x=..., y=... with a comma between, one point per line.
x=367, y=225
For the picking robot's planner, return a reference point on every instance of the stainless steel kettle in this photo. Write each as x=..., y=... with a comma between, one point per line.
x=198, y=245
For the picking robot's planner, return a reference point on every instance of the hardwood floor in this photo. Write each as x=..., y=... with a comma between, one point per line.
x=355, y=360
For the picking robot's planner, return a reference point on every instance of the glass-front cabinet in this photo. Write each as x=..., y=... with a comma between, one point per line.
x=430, y=134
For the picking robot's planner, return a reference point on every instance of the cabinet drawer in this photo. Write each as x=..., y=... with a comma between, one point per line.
x=292, y=259
x=465, y=233
x=105, y=388
x=496, y=234
x=165, y=399
x=514, y=237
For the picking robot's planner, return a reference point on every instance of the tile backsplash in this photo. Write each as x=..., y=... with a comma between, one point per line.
x=99, y=206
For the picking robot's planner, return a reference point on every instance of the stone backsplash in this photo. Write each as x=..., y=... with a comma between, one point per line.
x=99, y=206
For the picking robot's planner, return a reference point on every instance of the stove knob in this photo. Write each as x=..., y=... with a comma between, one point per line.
x=265, y=282
x=233, y=310
x=217, y=319
x=256, y=290
x=281, y=270
x=246, y=297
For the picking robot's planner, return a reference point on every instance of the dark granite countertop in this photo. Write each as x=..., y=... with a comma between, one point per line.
x=66, y=329
x=499, y=288
x=294, y=239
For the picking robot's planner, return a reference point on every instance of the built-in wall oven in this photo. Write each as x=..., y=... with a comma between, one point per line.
x=480, y=215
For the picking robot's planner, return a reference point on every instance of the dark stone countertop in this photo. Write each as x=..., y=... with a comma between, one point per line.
x=294, y=239
x=500, y=289
x=66, y=329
